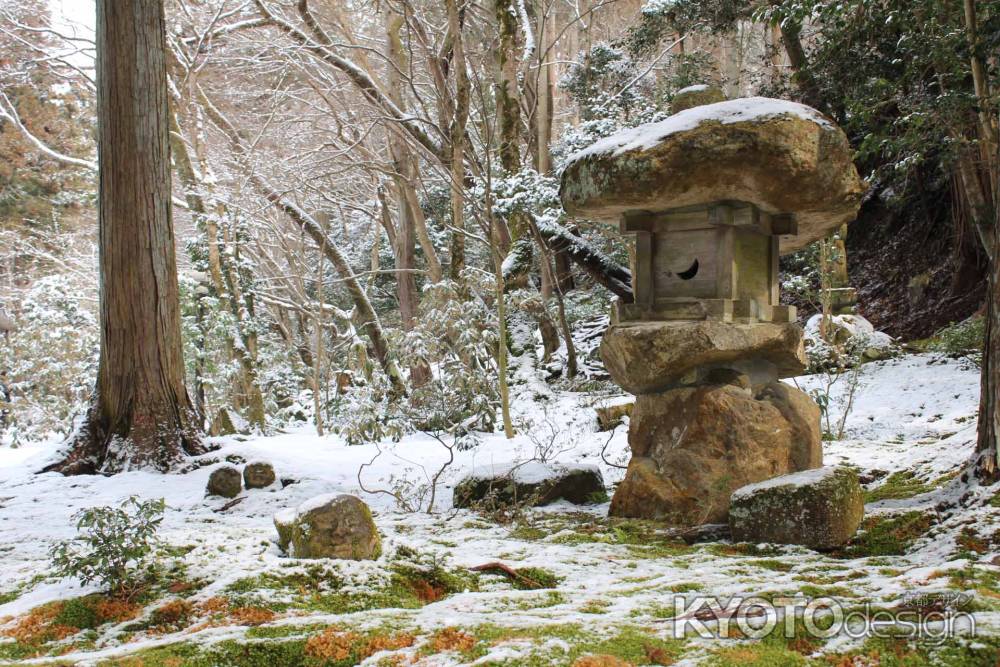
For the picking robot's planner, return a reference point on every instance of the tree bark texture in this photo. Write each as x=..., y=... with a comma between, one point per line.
x=141, y=415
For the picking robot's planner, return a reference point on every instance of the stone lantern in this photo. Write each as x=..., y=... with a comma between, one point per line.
x=713, y=195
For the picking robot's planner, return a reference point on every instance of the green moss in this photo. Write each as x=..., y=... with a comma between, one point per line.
x=811, y=591
x=983, y=581
x=759, y=654
x=411, y=584
x=282, y=631
x=528, y=533
x=78, y=613
x=595, y=607
x=887, y=535
x=598, y=497
x=902, y=484
x=632, y=644
x=644, y=539
x=231, y=653
x=980, y=651
x=771, y=564
x=541, y=576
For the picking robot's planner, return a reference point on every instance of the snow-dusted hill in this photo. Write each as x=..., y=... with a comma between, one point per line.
x=610, y=588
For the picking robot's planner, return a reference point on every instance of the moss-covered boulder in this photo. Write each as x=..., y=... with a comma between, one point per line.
x=258, y=475
x=330, y=526
x=783, y=157
x=530, y=483
x=697, y=95
x=225, y=481
x=820, y=509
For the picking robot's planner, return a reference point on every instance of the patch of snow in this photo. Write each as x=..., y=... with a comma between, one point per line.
x=914, y=413
x=530, y=472
x=792, y=480
x=696, y=88
x=743, y=110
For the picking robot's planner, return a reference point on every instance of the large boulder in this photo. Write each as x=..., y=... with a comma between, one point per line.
x=224, y=481
x=693, y=446
x=329, y=526
x=781, y=156
x=647, y=357
x=820, y=509
x=531, y=483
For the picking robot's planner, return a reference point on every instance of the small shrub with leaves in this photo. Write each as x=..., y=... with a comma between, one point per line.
x=116, y=545
x=964, y=339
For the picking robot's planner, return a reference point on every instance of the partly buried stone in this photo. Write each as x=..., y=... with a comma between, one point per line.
x=258, y=475
x=329, y=526
x=613, y=412
x=820, y=509
x=695, y=96
x=645, y=357
x=531, y=483
x=284, y=522
x=693, y=446
x=780, y=156
x=225, y=481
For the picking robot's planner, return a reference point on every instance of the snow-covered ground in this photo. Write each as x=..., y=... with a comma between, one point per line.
x=616, y=580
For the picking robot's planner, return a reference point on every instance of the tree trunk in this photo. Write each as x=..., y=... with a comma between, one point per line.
x=457, y=139
x=791, y=39
x=988, y=444
x=141, y=415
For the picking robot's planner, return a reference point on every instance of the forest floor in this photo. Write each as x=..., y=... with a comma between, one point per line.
x=226, y=596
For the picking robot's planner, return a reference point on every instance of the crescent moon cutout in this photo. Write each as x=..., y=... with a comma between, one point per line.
x=690, y=272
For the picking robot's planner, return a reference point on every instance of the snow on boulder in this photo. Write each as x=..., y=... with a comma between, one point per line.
x=695, y=96
x=781, y=156
x=329, y=526
x=530, y=483
x=820, y=509
x=848, y=335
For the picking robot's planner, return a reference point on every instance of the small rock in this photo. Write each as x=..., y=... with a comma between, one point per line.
x=330, y=526
x=225, y=481
x=820, y=509
x=706, y=532
x=258, y=475
x=532, y=483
